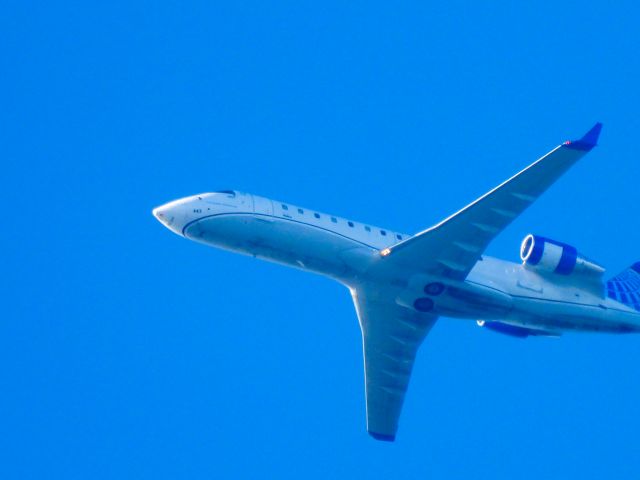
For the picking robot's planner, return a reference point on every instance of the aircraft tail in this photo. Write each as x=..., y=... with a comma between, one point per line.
x=625, y=287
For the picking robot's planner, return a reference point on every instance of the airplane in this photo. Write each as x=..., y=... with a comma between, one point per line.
x=401, y=284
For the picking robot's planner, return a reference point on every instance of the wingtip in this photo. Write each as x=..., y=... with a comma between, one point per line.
x=588, y=141
x=383, y=436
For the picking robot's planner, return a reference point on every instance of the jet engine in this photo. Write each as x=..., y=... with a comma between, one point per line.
x=546, y=255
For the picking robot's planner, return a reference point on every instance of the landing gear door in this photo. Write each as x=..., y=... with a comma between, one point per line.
x=262, y=205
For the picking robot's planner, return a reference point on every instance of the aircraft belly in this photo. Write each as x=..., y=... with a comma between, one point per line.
x=458, y=299
x=565, y=316
x=277, y=240
x=477, y=300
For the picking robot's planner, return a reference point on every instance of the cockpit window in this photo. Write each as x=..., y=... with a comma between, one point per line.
x=231, y=193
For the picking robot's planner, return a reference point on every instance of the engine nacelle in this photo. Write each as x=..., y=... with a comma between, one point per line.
x=547, y=255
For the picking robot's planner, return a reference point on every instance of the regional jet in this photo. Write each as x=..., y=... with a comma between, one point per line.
x=400, y=284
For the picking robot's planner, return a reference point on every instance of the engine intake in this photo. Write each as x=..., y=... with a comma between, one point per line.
x=556, y=257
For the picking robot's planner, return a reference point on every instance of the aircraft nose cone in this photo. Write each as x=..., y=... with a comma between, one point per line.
x=175, y=215
x=164, y=214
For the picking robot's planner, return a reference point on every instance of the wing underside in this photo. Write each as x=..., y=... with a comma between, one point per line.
x=452, y=247
x=391, y=336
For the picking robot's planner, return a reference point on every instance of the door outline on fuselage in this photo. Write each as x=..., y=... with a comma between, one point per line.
x=262, y=206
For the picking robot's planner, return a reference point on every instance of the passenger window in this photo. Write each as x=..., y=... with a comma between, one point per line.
x=317, y=215
x=334, y=219
x=284, y=207
x=350, y=224
x=301, y=211
x=383, y=233
x=367, y=228
x=399, y=237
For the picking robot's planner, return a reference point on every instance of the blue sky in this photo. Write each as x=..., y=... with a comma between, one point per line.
x=128, y=352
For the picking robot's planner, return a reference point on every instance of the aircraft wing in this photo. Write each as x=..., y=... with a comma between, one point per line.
x=452, y=247
x=391, y=335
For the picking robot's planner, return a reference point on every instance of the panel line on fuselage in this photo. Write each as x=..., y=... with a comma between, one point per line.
x=552, y=300
x=277, y=218
x=566, y=302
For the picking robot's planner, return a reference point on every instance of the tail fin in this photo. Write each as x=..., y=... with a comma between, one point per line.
x=625, y=287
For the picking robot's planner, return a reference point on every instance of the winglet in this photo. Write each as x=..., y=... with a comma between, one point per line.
x=382, y=436
x=587, y=142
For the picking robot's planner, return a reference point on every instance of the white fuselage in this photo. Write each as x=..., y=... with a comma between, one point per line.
x=344, y=250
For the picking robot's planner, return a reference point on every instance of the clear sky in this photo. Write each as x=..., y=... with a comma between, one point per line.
x=128, y=352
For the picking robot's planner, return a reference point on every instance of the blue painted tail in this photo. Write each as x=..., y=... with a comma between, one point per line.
x=625, y=287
